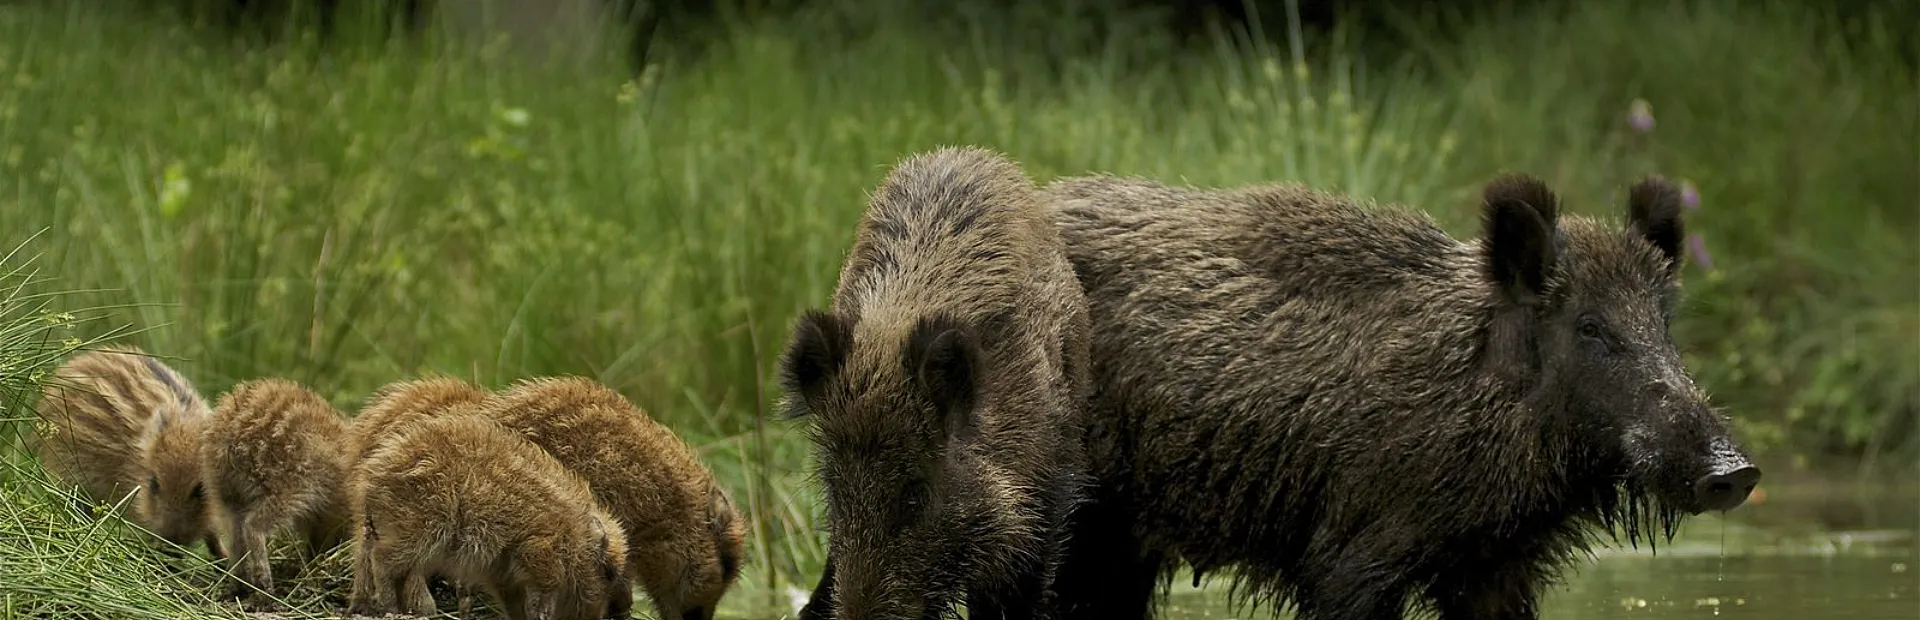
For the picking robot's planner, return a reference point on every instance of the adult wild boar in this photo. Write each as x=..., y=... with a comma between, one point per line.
x=945, y=389
x=1349, y=410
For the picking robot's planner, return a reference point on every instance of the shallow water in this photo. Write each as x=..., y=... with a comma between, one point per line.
x=1864, y=587
x=1810, y=552
x=1813, y=552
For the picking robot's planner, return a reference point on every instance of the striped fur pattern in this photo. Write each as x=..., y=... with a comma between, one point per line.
x=685, y=540
x=462, y=496
x=115, y=421
x=274, y=457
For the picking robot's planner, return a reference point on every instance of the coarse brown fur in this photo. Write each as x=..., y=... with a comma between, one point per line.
x=116, y=420
x=274, y=456
x=391, y=409
x=1349, y=410
x=403, y=402
x=684, y=537
x=462, y=496
x=944, y=389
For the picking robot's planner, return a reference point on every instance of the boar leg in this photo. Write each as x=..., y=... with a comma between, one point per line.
x=395, y=579
x=463, y=601
x=401, y=591
x=820, y=605
x=515, y=603
x=231, y=528
x=394, y=592
x=363, y=599
x=1105, y=574
x=254, y=567
x=542, y=605
x=414, y=591
x=1358, y=586
x=1504, y=593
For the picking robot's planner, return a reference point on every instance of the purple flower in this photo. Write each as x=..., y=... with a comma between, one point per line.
x=1697, y=248
x=1640, y=116
x=1689, y=196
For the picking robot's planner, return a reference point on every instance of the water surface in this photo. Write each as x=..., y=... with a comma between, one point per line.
x=1810, y=552
x=1805, y=552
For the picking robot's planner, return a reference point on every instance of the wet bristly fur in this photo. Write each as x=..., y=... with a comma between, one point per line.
x=944, y=390
x=403, y=402
x=274, y=456
x=116, y=421
x=1348, y=410
x=464, y=497
x=684, y=537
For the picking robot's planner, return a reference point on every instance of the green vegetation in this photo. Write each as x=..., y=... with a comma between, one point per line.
x=55, y=560
x=377, y=211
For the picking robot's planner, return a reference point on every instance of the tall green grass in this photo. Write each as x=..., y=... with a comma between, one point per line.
x=357, y=216
x=55, y=560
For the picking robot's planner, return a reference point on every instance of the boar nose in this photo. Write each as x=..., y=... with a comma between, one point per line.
x=1727, y=487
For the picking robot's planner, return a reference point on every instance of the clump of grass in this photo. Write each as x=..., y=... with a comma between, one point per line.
x=57, y=561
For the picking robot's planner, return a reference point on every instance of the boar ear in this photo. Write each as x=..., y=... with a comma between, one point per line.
x=818, y=349
x=1521, y=213
x=942, y=358
x=1653, y=211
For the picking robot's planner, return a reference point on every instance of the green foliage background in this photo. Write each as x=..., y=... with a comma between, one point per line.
x=376, y=210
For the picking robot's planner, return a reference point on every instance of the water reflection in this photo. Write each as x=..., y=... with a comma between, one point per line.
x=1812, y=551
x=1870, y=582
x=1808, y=552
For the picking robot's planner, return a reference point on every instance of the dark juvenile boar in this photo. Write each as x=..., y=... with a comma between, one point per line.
x=116, y=420
x=1347, y=408
x=274, y=456
x=462, y=496
x=684, y=539
x=945, y=388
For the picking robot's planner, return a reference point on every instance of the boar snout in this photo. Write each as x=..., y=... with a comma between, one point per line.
x=1726, y=490
x=1728, y=482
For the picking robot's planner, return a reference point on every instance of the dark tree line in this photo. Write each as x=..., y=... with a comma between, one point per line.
x=645, y=21
x=648, y=22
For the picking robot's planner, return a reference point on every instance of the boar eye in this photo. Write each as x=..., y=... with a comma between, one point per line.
x=1590, y=328
x=199, y=491
x=153, y=483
